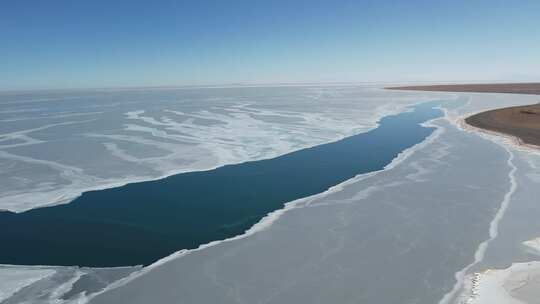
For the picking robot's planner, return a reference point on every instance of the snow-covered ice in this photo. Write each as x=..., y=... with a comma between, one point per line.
x=421, y=228
x=55, y=145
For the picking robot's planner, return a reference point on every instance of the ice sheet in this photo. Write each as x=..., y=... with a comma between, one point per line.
x=427, y=213
x=363, y=241
x=55, y=145
x=48, y=284
x=516, y=244
x=16, y=278
x=517, y=284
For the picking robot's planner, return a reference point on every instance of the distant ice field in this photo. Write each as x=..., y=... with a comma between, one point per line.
x=415, y=228
x=403, y=235
x=406, y=230
x=56, y=145
x=140, y=223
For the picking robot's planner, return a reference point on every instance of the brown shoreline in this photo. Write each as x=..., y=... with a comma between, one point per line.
x=511, y=88
x=522, y=122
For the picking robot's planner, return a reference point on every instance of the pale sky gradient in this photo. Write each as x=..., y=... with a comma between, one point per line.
x=70, y=44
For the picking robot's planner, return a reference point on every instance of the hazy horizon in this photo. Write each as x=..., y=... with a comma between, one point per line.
x=382, y=84
x=65, y=45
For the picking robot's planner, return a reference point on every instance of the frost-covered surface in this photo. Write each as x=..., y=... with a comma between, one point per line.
x=47, y=284
x=511, y=259
x=406, y=230
x=15, y=278
x=414, y=233
x=533, y=245
x=517, y=284
x=514, y=230
x=55, y=145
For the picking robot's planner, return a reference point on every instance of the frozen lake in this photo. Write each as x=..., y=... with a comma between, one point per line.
x=140, y=223
x=407, y=234
x=55, y=145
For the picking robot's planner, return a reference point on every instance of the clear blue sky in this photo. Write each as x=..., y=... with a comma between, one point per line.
x=70, y=43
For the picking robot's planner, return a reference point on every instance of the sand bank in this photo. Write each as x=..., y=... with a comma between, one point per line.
x=511, y=88
x=522, y=122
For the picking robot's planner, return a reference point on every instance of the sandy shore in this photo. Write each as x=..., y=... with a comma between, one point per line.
x=522, y=122
x=512, y=88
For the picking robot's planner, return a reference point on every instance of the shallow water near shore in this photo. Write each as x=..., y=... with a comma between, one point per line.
x=142, y=222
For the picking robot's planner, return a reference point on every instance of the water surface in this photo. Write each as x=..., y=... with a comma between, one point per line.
x=142, y=222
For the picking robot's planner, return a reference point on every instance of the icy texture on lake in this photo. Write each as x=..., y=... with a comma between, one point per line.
x=55, y=145
x=16, y=278
x=516, y=225
x=397, y=236
x=408, y=234
x=44, y=285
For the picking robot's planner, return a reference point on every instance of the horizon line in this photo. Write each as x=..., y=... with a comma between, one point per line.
x=253, y=85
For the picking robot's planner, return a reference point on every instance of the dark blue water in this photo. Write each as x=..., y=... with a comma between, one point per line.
x=142, y=222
